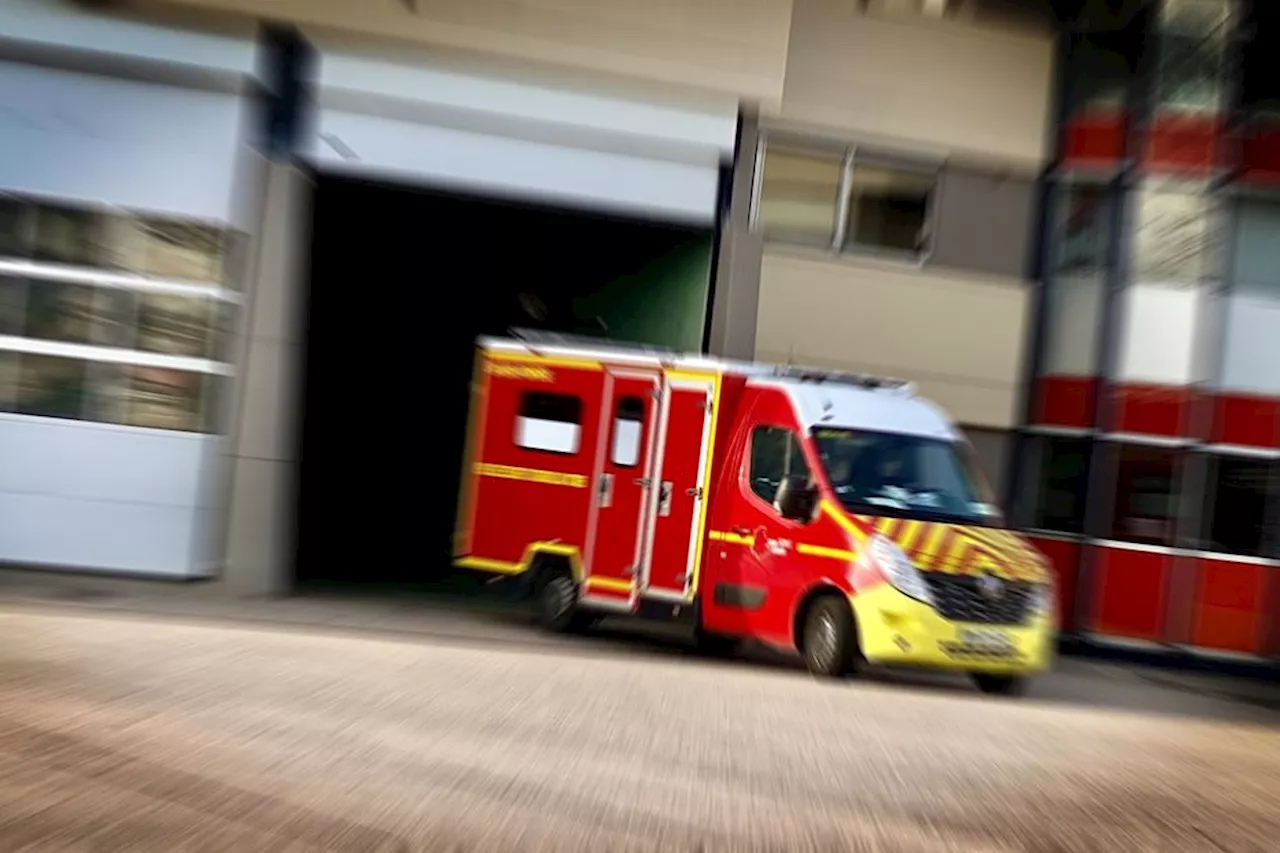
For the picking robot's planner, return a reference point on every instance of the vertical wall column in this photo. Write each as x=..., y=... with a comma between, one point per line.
x=736, y=288
x=263, y=445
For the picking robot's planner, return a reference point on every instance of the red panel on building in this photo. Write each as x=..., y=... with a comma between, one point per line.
x=1064, y=556
x=1094, y=139
x=1129, y=593
x=1246, y=420
x=1160, y=410
x=1066, y=401
x=1260, y=154
x=1229, y=606
x=1183, y=144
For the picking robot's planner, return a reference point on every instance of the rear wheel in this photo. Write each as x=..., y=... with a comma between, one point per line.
x=830, y=638
x=999, y=685
x=558, y=602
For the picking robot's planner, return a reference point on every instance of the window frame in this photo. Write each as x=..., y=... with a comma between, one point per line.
x=1038, y=447
x=525, y=395
x=854, y=156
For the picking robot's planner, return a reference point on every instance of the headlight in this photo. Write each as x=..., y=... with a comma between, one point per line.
x=898, y=570
x=1043, y=601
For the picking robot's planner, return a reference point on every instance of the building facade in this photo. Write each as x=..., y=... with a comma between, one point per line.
x=1152, y=433
x=1053, y=219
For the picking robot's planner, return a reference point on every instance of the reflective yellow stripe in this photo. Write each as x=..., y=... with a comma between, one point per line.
x=545, y=360
x=613, y=584
x=840, y=518
x=731, y=538
x=824, y=551
x=531, y=475
x=485, y=564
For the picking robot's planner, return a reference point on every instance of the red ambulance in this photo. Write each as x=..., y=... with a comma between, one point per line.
x=835, y=515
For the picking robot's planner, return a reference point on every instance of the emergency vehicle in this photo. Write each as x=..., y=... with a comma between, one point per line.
x=839, y=516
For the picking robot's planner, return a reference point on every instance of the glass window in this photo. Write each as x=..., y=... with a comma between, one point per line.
x=1255, y=266
x=181, y=251
x=775, y=455
x=8, y=380
x=176, y=325
x=628, y=424
x=13, y=305
x=50, y=386
x=60, y=311
x=889, y=209
x=1058, y=483
x=67, y=236
x=1237, y=502
x=1083, y=230
x=164, y=399
x=1146, y=507
x=1171, y=236
x=799, y=194
x=1190, y=73
x=905, y=475
x=16, y=232
x=551, y=423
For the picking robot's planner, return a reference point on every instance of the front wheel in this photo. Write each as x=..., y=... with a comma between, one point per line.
x=830, y=638
x=999, y=685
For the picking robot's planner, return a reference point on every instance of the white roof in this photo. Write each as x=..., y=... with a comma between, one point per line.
x=892, y=410
x=821, y=397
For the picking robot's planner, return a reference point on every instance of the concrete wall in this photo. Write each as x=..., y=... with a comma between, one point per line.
x=735, y=46
x=947, y=87
x=958, y=336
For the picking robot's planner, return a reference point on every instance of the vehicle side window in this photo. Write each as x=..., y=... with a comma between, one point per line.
x=550, y=423
x=775, y=455
x=628, y=420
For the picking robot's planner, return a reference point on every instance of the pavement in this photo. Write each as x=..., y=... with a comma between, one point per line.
x=322, y=723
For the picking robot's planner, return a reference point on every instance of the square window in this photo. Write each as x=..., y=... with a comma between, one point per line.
x=1146, y=495
x=889, y=209
x=550, y=423
x=1083, y=230
x=1057, y=482
x=1171, y=236
x=1237, y=506
x=799, y=194
x=50, y=386
x=161, y=398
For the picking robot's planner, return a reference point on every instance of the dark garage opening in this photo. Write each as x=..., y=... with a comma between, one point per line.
x=402, y=281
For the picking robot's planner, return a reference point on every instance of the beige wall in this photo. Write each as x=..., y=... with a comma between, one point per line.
x=948, y=87
x=959, y=337
x=733, y=46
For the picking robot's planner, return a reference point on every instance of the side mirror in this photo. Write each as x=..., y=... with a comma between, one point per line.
x=796, y=498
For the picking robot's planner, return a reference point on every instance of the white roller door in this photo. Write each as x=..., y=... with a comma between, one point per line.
x=440, y=127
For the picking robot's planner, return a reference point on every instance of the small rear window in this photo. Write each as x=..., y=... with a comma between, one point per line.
x=549, y=423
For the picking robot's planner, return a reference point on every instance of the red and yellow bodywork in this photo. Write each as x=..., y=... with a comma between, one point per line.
x=711, y=541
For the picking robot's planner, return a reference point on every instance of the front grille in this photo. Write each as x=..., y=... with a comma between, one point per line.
x=958, y=598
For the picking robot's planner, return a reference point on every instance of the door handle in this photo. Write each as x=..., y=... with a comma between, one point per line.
x=605, y=493
x=740, y=531
x=664, y=499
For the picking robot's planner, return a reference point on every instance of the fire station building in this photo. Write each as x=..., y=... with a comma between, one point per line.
x=245, y=247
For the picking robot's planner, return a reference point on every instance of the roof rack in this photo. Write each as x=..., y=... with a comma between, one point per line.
x=836, y=377
x=538, y=337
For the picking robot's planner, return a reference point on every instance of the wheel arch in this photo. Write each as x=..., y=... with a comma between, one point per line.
x=806, y=602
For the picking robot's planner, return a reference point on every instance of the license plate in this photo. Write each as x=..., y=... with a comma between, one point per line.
x=985, y=641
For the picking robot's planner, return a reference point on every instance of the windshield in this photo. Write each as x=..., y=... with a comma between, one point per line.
x=905, y=476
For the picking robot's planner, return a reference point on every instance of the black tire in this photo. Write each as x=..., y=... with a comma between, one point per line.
x=558, y=602
x=999, y=685
x=830, y=639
